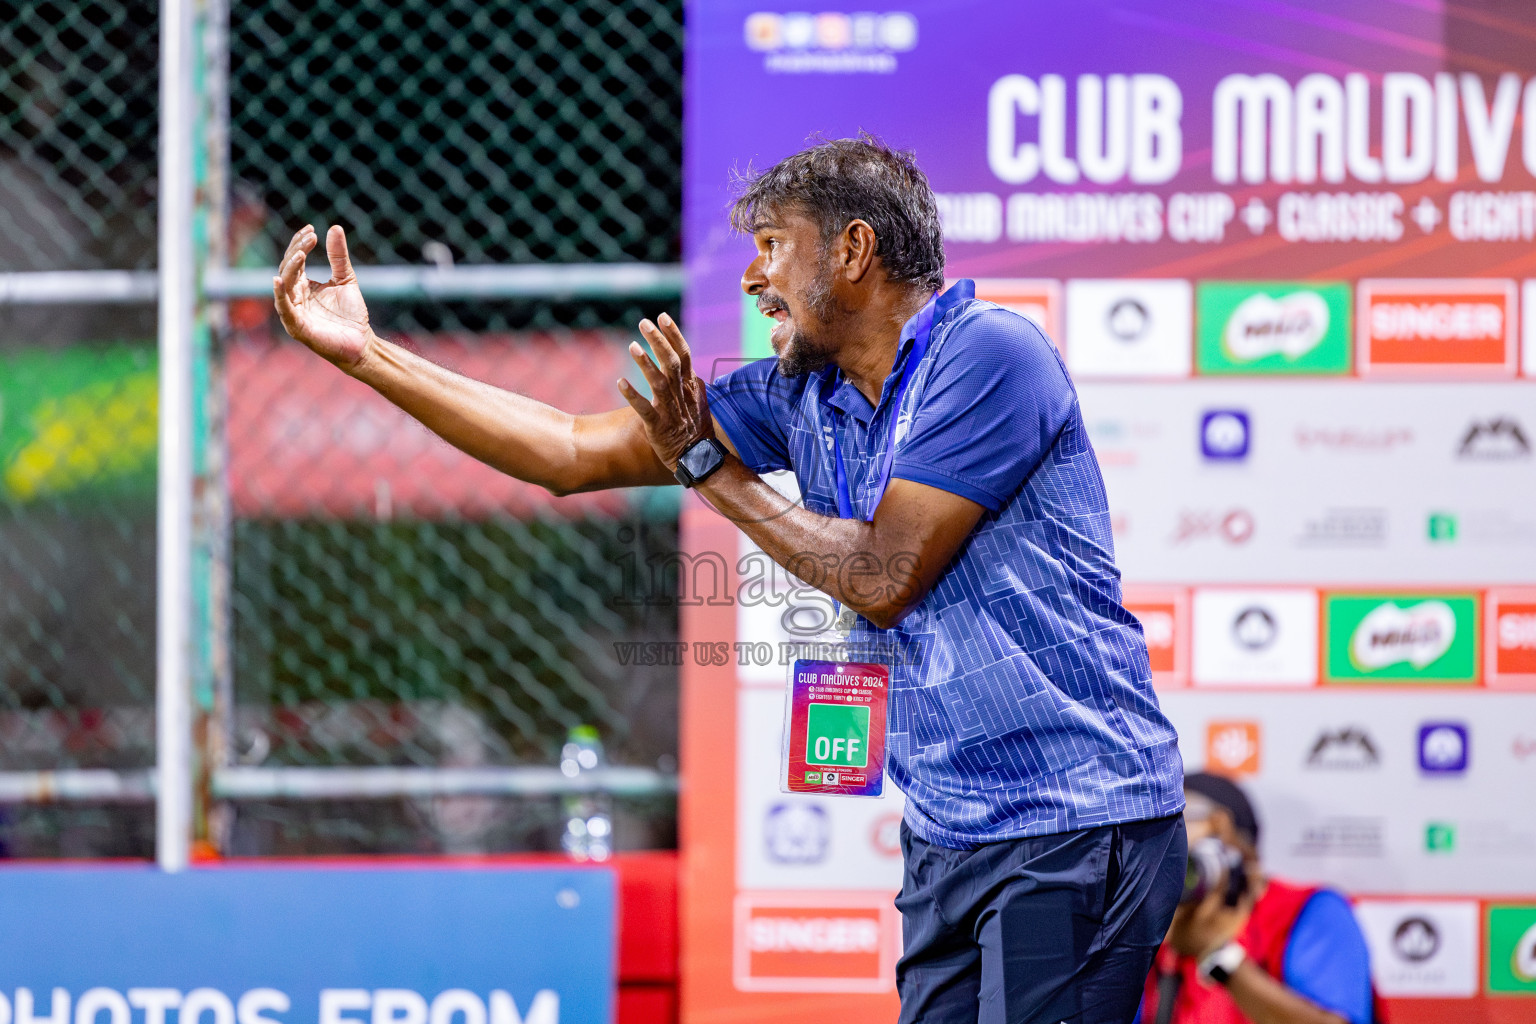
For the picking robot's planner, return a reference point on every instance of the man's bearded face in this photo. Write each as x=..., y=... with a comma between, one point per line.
x=800, y=336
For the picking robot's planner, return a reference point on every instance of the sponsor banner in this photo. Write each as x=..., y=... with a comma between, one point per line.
x=1510, y=653
x=1233, y=747
x=1272, y=327
x=1128, y=328
x=1343, y=797
x=1422, y=948
x=300, y=946
x=1255, y=637
x=815, y=942
x=306, y=440
x=1039, y=300
x=1164, y=616
x=1512, y=950
x=1401, y=638
x=1439, y=327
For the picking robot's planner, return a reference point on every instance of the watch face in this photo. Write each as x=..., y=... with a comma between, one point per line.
x=700, y=458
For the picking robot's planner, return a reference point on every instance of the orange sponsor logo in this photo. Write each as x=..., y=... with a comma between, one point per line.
x=1232, y=748
x=1037, y=300
x=1163, y=614
x=806, y=942
x=1512, y=638
x=1437, y=326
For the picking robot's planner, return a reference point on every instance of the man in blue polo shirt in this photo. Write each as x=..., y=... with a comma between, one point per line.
x=950, y=498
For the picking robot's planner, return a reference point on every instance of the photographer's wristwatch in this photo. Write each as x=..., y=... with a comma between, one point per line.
x=1219, y=966
x=698, y=461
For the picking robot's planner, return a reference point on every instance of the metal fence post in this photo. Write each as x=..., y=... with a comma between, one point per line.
x=173, y=650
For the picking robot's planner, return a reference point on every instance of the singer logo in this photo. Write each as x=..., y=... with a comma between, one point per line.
x=813, y=942
x=1437, y=327
x=1512, y=638
x=1407, y=638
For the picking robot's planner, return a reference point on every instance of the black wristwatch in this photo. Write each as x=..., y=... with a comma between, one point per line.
x=699, y=460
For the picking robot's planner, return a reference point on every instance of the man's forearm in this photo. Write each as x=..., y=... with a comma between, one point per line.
x=513, y=433
x=1264, y=1000
x=846, y=559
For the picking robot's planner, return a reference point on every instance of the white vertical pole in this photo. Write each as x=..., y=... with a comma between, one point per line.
x=173, y=647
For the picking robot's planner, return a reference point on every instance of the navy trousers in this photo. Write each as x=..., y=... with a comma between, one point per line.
x=1049, y=929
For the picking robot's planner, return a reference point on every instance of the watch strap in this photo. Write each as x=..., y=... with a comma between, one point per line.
x=1220, y=964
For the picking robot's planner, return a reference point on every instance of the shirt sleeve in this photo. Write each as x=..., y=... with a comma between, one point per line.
x=1326, y=958
x=751, y=404
x=992, y=409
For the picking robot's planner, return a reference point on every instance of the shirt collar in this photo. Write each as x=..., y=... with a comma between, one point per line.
x=849, y=400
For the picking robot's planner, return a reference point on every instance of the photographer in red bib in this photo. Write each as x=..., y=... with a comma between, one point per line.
x=1245, y=948
x=945, y=472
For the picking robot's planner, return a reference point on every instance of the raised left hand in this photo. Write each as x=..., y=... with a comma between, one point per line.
x=677, y=415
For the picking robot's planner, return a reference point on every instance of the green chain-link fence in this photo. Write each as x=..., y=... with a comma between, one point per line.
x=391, y=603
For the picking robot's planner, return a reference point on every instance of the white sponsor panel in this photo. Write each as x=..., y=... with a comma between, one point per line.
x=1423, y=947
x=1341, y=798
x=793, y=841
x=1129, y=328
x=1337, y=486
x=1255, y=637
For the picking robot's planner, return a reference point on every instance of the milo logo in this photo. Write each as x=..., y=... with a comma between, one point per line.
x=1402, y=637
x=1511, y=963
x=1388, y=635
x=1290, y=327
x=1273, y=327
x=1522, y=963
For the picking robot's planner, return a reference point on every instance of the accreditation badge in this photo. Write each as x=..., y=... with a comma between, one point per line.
x=834, y=732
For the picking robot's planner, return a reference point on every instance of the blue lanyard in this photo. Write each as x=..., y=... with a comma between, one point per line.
x=914, y=356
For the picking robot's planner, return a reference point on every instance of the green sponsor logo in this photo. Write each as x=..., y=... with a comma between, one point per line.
x=1512, y=949
x=77, y=421
x=813, y=778
x=1402, y=638
x=1439, y=837
x=1272, y=327
x=755, y=330
x=837, y=734
x=1442, y=526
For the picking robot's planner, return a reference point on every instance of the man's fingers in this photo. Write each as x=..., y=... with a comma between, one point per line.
x=297, y=242
x=653, y=376
x=637, y=401
x=674, y=335
x=662, y=346
x=292, y=275
x=336, y=249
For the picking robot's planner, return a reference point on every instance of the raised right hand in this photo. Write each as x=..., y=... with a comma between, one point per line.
x=330, y=318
